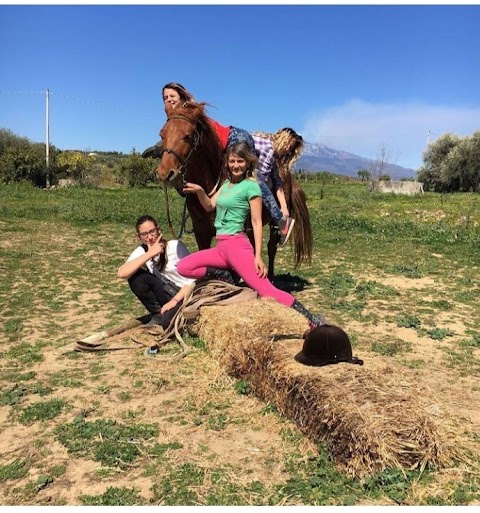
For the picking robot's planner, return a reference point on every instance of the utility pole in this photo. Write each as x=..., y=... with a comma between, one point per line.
x=428, y=138
x=47, y=142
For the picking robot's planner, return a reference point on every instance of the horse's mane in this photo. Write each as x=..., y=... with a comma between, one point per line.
x=209, y=141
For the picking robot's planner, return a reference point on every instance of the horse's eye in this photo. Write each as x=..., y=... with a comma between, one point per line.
x=187, y=138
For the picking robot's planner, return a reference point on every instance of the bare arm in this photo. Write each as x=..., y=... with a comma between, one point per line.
x=207, y=203
x=179, y=296
x=257, y=225
x=129, y=268
x=283, y=202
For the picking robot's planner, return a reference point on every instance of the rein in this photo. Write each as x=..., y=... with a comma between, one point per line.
x=169, y=220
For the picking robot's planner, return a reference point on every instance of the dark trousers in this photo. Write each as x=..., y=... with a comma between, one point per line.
x=149, y=290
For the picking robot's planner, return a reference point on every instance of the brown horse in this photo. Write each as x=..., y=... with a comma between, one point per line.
x=191, y=152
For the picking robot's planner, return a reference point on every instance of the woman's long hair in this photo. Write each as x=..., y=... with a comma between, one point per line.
x=185, y=95
x=162, y=261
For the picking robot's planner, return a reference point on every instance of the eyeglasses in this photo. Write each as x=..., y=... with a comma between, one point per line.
x=153, y=232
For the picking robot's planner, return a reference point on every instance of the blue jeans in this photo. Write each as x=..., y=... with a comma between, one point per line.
x=237, y=135
x=270, y=202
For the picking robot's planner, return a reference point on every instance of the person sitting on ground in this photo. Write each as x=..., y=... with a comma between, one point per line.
x=175, y=94
x=151, y=271
x=240, y=196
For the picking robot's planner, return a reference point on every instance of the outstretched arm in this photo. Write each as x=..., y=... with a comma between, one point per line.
x=207, y=203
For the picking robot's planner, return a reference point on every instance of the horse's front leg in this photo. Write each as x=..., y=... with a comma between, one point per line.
x=203, y=226
x=272, y=252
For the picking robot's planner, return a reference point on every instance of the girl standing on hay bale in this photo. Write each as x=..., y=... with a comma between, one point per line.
x=175, y=94
x=239, y=197
x=151, y=271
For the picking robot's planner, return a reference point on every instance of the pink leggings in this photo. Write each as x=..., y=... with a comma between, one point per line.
x=232, y=252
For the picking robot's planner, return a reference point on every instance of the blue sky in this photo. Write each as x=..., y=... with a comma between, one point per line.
x=353, y=77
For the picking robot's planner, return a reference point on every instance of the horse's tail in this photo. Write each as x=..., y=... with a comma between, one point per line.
x=302, y=229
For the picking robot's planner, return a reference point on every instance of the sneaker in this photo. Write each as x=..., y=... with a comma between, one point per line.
x=318, y=320
x=285, y=227
x=154, y=321
x=151, y=351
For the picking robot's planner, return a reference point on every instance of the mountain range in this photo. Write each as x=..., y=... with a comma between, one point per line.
x=318, y=157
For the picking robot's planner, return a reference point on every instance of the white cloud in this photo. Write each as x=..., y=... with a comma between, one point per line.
x=361, y=127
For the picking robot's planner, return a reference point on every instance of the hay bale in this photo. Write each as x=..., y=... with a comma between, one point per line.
x=373, y=417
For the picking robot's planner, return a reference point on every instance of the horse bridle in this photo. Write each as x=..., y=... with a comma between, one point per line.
x=183, y=161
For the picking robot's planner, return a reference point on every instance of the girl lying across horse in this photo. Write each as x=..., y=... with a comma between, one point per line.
x=175, y=94
x=239, y=197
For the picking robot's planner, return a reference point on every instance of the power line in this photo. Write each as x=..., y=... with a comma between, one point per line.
x=92, y=102
x=52, y=93
x=22, y=92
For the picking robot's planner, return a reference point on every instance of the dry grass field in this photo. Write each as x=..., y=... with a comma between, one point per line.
x=400, y=274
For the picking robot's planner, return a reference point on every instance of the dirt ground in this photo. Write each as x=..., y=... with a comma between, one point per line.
x=195, y=404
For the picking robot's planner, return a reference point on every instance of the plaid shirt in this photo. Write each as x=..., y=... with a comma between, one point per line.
x=266, y=160
x=267, y=168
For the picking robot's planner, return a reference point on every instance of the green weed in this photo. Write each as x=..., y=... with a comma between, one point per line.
x=16, y=376
x=13, y=327
x=440, y=333
x=14, y=470
x=472, y=342
x=408, y=321
x=242, y=387
x=107, y=441
x=410, y=271
x=339, y=285
x=25, y=353
x=374, y=290
x=12, y=395
x=46, y=410
x=391, y=347
x=114, y=496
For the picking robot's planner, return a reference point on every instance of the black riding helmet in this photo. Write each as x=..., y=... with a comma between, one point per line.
x=326, y=345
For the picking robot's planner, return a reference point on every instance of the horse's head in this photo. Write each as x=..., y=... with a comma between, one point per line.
x=180, y=139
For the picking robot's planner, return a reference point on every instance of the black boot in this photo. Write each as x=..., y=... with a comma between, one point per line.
x=154, y=151
x=313, y=320
x=213, y=273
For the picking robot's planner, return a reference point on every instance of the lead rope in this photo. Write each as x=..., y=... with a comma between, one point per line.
x=201, y=293
x=169, y=220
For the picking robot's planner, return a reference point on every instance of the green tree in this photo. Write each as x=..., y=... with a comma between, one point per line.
x=73, y=164
x=8, y=139
x=135, y=170
x=363, y=174
x=432, y=173
x=460, y=169
x=23, y=163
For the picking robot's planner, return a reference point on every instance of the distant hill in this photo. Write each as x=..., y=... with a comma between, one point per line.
x=318, y=157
